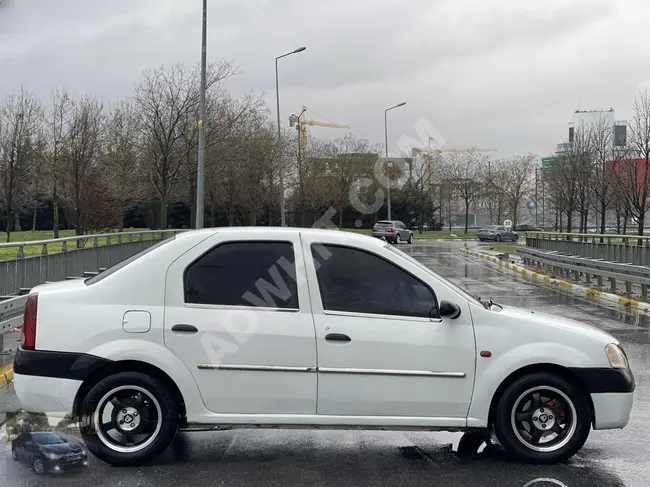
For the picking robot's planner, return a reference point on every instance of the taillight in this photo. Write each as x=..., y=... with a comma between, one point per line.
x=374, y=229
x=29, y=322
x=391, y=229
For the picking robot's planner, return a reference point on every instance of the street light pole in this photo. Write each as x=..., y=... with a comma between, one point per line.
x=277, y=99
x=386, y=140
x=200, y=177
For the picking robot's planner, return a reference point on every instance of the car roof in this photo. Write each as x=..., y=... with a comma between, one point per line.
x=279, y=231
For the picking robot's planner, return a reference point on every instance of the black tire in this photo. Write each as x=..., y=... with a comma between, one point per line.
x=38, y=465
x=410, y=240
x=497, y=238
x=14, y=455
x=576, y=409
x=398, y=239
x=167, y=418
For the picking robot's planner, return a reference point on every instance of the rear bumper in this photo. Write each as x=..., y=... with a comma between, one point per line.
x=46, y=394
x=388, y=236
x=612, y=409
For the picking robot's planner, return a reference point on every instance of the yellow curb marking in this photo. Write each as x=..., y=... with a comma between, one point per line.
x=6, y=374
x=565, y=284
x=535, y=275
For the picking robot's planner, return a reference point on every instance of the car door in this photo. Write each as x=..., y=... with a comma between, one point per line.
x=379, y=352
x=19, y=445
x=238, y=315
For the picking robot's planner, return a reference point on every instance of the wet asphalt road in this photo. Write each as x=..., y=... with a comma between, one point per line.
x=354, y=458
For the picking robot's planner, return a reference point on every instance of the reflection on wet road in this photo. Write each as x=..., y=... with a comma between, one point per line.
x=342, y=458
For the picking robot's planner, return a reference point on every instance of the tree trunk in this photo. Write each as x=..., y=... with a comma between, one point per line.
x=466, y=216
x=213, y=211
x=17, y=227
x=34, y=213
x=603, y=217
x=640, y=228
x=163, y=212
x=625, y=217
x=55, y=211
x=561, y=222
x=569, y=221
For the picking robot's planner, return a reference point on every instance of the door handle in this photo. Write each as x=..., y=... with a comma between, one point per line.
x=339, y=337
x=185, y=328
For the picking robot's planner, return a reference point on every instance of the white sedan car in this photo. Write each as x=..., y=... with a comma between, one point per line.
x=288, y=327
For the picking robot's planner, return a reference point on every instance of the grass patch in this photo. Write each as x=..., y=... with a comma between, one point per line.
x=12, y=252
x=503, y=248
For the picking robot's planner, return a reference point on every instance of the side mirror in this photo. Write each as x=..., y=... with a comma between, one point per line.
x=449, y=310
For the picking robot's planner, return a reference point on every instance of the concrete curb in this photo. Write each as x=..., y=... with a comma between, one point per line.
x=577, y=288
x=6, y=375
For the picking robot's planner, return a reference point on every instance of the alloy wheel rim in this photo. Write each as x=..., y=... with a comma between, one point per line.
x=133, y=421
x=38, y=466
x=544, y=419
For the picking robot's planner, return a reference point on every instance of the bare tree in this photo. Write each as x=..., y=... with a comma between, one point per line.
x=634, y=172
x=165, y=100
x=513, y=180
x=54, y=131
x=353, y=158
x=81, y=159
x=19, y=118
x=467, y=172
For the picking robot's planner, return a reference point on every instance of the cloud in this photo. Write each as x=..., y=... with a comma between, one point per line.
x=502, y=73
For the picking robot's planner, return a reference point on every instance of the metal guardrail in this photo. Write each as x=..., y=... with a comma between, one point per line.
x=633, y=249
x=563, y=264
x=72, y=257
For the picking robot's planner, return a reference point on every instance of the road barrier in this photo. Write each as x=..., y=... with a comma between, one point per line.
x=79, y=257
x=629, y=249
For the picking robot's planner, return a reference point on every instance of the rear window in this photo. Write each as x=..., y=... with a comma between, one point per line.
x=384, y=224
x=124, y=263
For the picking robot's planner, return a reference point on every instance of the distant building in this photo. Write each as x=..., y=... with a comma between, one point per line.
x=585, y=119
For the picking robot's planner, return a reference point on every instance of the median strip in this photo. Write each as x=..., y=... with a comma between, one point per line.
x=538, y=276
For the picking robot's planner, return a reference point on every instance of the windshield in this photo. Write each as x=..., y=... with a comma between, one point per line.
x=48, y=439
x=412, y=259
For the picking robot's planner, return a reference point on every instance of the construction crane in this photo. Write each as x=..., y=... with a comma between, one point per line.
x=302, y=122
x=431, y=149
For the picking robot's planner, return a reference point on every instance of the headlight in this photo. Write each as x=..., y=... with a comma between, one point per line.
x=616, y=356
x=52, y=456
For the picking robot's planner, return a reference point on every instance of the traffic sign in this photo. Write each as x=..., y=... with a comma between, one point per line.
x=507, y=223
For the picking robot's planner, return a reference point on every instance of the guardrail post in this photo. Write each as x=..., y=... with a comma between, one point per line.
x=628, y=288
x=612, y=283
x=599, y=280
x=644, y=290
x=95, y=242
x=64, y=246
x=588, y=278
x=119, y=238
x=44, y=249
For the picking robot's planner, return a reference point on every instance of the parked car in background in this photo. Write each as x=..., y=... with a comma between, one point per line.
x=48, y=452
x=393, y=231
x=497, y=233
x=528, y=228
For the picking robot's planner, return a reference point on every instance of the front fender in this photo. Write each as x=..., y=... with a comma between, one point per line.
x=160, y=357
x=492, y=371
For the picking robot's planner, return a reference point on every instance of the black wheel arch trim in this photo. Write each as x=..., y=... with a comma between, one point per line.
x=58, y=365
x=600, y=380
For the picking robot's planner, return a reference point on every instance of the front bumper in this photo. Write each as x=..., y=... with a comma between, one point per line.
x=61, y=466
x=612, y=409
x=612, y=394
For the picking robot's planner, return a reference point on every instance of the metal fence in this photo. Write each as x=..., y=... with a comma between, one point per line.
x=627, y=249
x=71, y=256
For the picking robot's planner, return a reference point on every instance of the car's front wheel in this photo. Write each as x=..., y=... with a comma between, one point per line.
x=129, y=418
x=38, y=465
x=543, y=418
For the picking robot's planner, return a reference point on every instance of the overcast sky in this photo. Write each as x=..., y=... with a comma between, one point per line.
x=496, y=73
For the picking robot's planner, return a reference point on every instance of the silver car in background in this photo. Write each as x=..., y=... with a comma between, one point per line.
x=393, y=231
x=497, y=233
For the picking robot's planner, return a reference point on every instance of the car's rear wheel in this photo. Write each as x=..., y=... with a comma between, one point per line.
x=498, y=238
x=411, y=239
x=543, y=418
x=129, y=418
x=38, y=465
x=398, y=239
